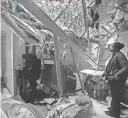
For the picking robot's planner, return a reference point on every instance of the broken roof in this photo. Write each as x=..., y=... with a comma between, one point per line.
x=34, y=29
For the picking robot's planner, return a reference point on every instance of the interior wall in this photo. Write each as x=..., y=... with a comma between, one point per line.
x=7, y=57
x=12, y=50
x=18, y=50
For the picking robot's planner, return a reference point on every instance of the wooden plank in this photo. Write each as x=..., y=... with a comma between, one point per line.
x=98, y=56
x=0, y=59
x=125, y=105
x=42, y=16
x=84, y=2
x=105, y=29
x=12, y=65
x=7, y=18
x=85, y=14
x=58, y=71
x=38, y=44
x=27, y=27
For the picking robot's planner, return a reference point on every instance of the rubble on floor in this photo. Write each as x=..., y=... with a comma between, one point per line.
x=79, y=107
x=72, y=107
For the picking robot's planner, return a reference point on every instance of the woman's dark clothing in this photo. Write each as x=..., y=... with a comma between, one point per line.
x=118, y=65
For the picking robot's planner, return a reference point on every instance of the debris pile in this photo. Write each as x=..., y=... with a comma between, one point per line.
x=73, y=107
x=81, y=107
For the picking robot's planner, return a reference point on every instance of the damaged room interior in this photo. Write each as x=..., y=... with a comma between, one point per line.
x=64, y=58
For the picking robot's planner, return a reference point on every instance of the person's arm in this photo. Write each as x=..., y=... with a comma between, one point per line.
x=103, y=75
x=124, y=64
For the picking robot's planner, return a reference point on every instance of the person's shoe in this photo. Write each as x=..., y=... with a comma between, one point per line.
x=110, y=114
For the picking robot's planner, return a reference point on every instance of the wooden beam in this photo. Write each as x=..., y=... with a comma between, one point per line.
x=99, y=54
x=58, y=71
x=86, y=22
x=12, y=64
x=105, y=29
x=125, y=105
x=1, y=54
x=7, y=18
x=85, y=14
x=2, y=83
x=83, y=90
x=43, y=17
x=28, y=28
x=38, y=44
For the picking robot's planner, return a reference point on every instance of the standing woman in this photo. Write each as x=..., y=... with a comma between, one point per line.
x=116, y=73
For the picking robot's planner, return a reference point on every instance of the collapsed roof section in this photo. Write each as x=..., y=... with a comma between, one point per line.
x=42, y=19
x=30, y=24
x=22, y=21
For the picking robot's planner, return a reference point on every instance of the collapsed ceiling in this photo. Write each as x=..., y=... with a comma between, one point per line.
x=101, y=28
x=116, y=13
